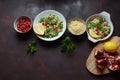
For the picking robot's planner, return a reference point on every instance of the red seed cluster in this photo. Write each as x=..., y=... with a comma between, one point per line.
x=104, y=60
x=23, y=24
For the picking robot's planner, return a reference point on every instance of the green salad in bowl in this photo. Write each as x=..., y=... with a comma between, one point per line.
x=99, y=27
x=53, y=25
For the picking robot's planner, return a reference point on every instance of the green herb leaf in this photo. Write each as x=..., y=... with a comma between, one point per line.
x=101, y=28
x=100, y=19
x=92, y=24
x=67, y=45
x=31, y=48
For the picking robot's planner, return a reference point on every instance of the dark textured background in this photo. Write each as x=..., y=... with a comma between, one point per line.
x=48, y=63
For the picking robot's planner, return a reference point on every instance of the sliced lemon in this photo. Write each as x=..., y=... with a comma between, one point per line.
x=39, y=29
x=110, y=47
x=93, y=34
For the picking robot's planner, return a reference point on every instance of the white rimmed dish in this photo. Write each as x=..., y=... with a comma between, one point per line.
x=107, y=17
x=46, y=13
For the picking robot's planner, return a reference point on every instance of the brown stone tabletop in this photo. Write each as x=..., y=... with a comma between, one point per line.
x=49, y=63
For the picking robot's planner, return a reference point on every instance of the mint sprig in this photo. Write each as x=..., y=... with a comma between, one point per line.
x=31, y=48
x=67, y=45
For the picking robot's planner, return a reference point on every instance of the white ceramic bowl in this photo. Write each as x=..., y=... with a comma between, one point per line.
x=106, y=16
x=16, y=21
x=46, y=13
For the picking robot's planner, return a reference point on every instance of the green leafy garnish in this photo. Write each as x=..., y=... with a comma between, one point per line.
x=100, y=19
x=31, y=48
x=60, y=25
x=67, y=45
x=92, y=24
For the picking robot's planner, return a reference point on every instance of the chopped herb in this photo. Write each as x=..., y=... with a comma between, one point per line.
x=60, y=25
x=31, y=48
x=67, y=45
x=92, y=24
x=100, y=19
x=101, y=28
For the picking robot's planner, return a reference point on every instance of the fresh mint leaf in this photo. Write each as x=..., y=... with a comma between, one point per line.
x=67, y=45
x=31, y=48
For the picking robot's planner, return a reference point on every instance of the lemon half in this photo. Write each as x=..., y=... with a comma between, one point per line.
x=110, y=46
x=93, y=34
x=39, y=29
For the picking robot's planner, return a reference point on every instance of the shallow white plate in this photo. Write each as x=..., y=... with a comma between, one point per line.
x=46, y=13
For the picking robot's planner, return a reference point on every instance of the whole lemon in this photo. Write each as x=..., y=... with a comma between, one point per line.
x=110, y=47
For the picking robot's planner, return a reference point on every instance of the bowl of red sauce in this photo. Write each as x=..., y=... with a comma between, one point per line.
x=23, y=24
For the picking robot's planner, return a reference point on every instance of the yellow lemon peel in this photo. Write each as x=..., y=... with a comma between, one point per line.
x=110, y=47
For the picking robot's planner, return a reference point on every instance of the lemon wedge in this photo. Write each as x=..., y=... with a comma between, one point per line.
x=93, y=34
x=110, y=47
x=39, y=29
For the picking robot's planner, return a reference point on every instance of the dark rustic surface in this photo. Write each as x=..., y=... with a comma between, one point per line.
x=48, y=63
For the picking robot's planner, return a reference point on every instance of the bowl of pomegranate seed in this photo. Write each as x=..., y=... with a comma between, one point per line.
x=23, y=24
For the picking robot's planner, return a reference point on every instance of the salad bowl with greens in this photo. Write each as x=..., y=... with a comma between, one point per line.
x=49, y=25
x=99, y=27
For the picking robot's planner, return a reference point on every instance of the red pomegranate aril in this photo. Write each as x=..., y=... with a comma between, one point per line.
x=104, y=60
x=100, y=54
x=101, y=63
x=23, y=24
x=114, y=63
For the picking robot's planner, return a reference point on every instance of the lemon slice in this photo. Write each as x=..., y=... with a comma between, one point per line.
x=110, y=47
x=93, y=34
x=39, y=29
